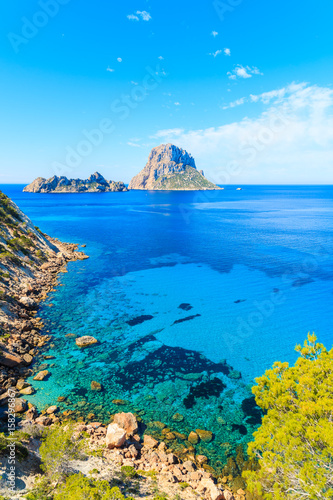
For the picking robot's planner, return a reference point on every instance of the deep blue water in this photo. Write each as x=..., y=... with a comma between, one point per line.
x=254, y=267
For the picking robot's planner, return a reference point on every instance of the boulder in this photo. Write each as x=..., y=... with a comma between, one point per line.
x=95, y=386
x=193, y=437
x=52, y=409
x=201, y=459
x=41, y=375
x=209, y=487
x=10, y=360
x=205, y=436
x=21, y=384
x=85, y=341
x=149, y=442
x=127, y=421
x=20, y=405
x=115, y=436
x=27, y=358
x=27, y=390
x=28, y=302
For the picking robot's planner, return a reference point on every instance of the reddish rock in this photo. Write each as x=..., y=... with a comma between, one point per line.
x=126, y=421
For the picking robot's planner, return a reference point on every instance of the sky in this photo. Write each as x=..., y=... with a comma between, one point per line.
x=245, y=86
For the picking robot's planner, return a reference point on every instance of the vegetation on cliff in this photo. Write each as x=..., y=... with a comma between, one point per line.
x=294, y=444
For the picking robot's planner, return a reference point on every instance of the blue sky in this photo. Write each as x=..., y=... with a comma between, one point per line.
x=243, y=85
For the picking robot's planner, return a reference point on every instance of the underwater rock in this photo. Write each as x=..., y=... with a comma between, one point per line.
x=239, y=301
x=28, y=391
x=185, y=306
x=115, y=436
x=139, y=319
x=212, y=387
x=52, y=409
x=85, y=341
x=177, y=417
x=41, y=375
x=193, y=438
x=126, y=421
x=201, y=459
x=205, y=436
x=188, y=318
x=119, y=402
x=95, y=386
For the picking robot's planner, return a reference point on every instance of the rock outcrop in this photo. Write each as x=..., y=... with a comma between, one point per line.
x=95, y=184
x=170, y=168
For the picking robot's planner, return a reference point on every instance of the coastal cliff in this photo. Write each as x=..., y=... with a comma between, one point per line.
x=29, y=264
x=170, y=168
x=95, y=184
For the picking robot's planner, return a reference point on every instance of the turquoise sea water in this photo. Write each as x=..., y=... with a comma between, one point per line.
x=190, y=295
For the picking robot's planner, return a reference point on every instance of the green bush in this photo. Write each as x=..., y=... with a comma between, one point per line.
x=294, y=444
x=79, y=487
x=128, y=471
x=58, y=449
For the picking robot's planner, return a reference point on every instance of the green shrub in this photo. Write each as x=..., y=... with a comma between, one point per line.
x=58, y=449
x=128, y=471
x=79, y=487
x=295, y=441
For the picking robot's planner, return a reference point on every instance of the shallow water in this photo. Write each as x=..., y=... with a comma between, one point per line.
x=190, y=295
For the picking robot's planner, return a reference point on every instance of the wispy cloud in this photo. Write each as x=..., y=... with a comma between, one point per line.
x=161, y=58
x=133, y=144
x=243, y=72
x=227, y=52
x=140, y=15
x=214, y=33
x=119, y=59
x=111, y=70
x=216, y=53
x=290, y=140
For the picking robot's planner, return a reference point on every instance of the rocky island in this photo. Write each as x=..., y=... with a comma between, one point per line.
x=95, y=184
x=170, y=168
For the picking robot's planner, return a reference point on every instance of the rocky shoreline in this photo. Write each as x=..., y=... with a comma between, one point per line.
x=21, y=338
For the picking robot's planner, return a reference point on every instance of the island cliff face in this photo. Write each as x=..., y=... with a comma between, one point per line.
x=95, y=184
x=170, y=168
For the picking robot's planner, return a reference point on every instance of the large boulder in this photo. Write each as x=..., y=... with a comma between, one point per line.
x=85, y=341
x=115, y=436
x=41, y=375
x=127, y=421
x=205, y=436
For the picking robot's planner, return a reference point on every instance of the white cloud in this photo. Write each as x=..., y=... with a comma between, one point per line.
x=161, y=58
x=233, y=104
x=177, y=103
x=289, y=141
x=214, y=33
x=134, y=83
x=133, y=144
x=215, y=54
x=119, y=59
x=243, y=72
x=110, y=70
x=227, y=52
x=140, y=14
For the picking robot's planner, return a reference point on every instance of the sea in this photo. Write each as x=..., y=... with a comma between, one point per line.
x=191, y=296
